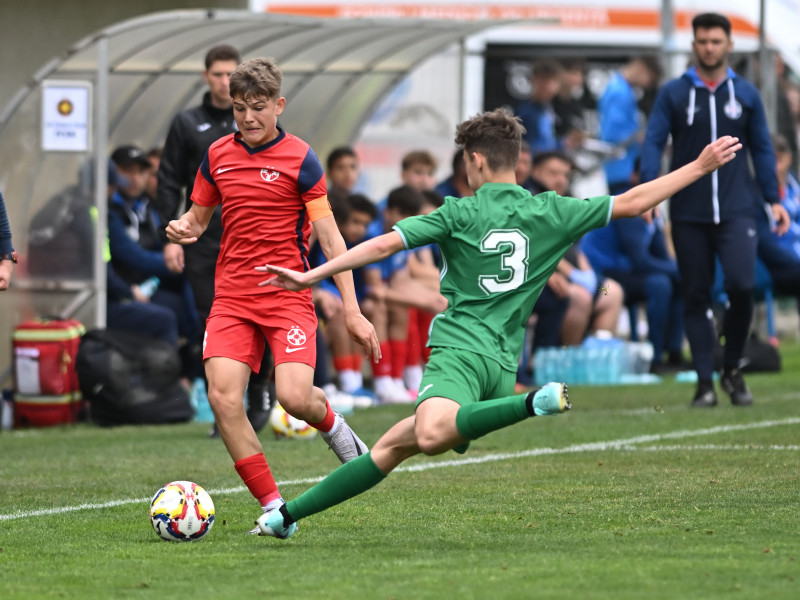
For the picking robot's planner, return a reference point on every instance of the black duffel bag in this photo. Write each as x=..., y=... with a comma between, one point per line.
x=130, y=379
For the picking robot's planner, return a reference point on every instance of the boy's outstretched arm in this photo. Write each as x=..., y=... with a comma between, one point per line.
x=642, y=198
x=365, y=253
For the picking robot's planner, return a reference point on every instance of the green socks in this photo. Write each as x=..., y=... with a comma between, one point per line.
x=349, y=480
x=479, y=418
x=361, y=474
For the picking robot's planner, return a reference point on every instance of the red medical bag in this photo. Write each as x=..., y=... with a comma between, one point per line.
x=46, y=391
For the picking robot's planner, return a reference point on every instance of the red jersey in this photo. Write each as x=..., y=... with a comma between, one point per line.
x=269, y=196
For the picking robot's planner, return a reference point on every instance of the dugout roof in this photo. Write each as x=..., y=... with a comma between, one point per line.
x=336, y=71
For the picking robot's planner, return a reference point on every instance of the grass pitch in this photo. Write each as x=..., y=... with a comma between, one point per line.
x=630, y=495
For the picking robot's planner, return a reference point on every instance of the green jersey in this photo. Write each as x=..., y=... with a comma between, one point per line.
x=498, y=249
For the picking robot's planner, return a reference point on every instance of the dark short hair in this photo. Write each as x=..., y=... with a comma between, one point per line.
x=546, y=69
x=155, y=152
x=573, y=63
x=223, y=52
x=361, y=204
x=458, y=160
x=256, y=78
x=780, y=144
x=405, y=200
x=652, y=63
x=338, y=153
x=542, y=157
x=418, y=157
x=711, y=20
x=496, y=134
x=432, y=198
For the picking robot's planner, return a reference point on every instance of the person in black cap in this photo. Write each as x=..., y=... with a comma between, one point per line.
x=127, y=307
x=137, y=246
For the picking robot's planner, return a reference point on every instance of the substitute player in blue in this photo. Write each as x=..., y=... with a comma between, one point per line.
x=498, y=248
x=714, y=217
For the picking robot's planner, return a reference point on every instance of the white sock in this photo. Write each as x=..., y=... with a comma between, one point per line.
x=382, y=384
x=412, y=376
x=350, y=380
x=277, y=503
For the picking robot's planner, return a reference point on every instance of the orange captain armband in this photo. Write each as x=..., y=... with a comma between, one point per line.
x=318, y=208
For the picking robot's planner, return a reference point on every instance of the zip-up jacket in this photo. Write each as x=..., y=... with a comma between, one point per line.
x=695, y=116
x=191, y=133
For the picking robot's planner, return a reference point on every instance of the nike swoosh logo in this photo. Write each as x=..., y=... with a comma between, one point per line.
x=425, y=389
x=221, y=170
x=290, y=350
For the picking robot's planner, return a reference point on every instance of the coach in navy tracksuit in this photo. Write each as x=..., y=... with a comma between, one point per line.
x=715, y=215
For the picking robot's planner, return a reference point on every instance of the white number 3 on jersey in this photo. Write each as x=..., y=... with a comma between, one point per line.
x=512, y=246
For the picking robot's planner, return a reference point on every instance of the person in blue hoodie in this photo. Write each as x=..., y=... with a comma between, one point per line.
x=781, y=254
x=621, y=121
x=714, y=216
x=137, y=249
x=634, y=252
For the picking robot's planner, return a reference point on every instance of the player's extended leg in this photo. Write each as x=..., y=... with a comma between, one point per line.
x=349, y=480
x=227, y=379
x=297, y=395
x=479, y=418
x=440, y=424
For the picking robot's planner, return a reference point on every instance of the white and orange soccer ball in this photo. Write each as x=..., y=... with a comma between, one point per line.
x=285, y=425
x=182, y=511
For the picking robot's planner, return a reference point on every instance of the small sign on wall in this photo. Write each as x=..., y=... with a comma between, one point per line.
x=66, y=116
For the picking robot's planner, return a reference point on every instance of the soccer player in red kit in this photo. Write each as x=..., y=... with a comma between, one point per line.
x=272, y=189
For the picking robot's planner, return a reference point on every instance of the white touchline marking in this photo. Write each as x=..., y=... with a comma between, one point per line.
x=626, y=444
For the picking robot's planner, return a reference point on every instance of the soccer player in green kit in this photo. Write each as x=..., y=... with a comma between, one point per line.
x=498, y=248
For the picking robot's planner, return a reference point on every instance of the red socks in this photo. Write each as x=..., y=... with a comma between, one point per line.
x=327, y=423
x=256, y=475
x=399, y=348
x=383, y=367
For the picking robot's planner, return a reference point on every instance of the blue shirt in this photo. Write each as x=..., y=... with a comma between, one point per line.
x=540, y=125
x=619, y=123
x=629, y=246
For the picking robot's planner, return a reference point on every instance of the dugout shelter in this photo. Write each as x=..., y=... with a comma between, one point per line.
x=134, y=76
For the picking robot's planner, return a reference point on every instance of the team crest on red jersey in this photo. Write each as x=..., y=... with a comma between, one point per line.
x=269, y=174
x=295, y=336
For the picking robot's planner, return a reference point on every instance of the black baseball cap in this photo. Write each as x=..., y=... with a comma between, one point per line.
x=125, y=156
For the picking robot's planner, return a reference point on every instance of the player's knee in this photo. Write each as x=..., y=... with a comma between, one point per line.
x=430, y=442
x=580, y=298
x=300, y=402
x=223, y=404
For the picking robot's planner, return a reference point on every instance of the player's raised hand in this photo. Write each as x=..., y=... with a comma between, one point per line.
x=286, y=279
x=179, y=231
x=718, y=153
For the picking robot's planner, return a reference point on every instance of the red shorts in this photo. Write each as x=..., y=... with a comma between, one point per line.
x=237, y=328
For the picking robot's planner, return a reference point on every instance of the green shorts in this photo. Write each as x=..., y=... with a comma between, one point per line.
x=464, y=377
